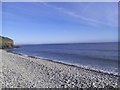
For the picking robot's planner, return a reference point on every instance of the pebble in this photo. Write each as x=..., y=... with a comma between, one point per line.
x=26, y=72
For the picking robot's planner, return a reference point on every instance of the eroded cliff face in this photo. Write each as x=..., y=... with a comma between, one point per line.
x=6, y=42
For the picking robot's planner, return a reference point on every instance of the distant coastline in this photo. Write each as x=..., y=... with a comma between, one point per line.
x=7, y=43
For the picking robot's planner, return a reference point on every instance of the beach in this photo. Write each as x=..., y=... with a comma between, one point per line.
x=22, y=71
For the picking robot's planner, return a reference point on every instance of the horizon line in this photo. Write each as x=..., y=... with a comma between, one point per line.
x=67, y=43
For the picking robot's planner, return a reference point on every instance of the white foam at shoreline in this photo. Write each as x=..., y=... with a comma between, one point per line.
x=78, y=65
x=25, y=72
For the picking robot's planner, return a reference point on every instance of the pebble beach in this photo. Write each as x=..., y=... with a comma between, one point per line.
x=21, y=71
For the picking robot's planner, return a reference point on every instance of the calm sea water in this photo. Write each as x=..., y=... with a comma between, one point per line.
x=98, y=56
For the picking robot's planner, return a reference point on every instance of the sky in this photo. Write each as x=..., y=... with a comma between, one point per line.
x=60, y=22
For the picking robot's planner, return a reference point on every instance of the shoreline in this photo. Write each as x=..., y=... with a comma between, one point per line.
x=41, y=73
x=68, y=64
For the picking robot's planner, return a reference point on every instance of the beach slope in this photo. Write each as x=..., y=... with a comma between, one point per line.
x=20, y=71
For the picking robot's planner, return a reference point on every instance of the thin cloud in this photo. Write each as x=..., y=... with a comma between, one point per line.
x=90, y=21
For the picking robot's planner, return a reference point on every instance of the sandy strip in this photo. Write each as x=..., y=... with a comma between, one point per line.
x=26, y=72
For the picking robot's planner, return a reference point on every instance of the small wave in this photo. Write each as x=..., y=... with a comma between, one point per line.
x=98, y=69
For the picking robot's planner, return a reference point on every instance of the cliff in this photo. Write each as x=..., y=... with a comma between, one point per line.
x=6, y=42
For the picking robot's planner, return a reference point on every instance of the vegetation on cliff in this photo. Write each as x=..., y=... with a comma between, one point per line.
x=6, y=42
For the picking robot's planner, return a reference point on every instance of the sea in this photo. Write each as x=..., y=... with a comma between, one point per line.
x=101, y=57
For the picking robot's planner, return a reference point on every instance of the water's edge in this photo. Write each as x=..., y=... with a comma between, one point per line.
x=64, y=63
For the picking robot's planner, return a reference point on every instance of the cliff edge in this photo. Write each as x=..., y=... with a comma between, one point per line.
x=6, y=42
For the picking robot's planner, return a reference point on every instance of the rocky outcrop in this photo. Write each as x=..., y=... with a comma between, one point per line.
x=6, y=42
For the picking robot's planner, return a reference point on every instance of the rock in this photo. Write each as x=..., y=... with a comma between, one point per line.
x=108, y=87
x=76, y=81
x=25, y=72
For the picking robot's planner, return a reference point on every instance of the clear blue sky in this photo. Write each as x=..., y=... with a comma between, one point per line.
x=37, y=23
